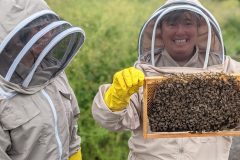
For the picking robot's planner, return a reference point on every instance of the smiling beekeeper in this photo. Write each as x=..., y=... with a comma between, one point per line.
x=181, y=36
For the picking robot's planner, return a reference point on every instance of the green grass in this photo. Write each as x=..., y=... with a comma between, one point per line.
x=112, y=28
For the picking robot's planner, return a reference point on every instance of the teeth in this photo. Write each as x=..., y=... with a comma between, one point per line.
x=180, y=41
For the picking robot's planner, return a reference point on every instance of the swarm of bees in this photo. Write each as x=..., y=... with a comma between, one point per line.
x=196, y=103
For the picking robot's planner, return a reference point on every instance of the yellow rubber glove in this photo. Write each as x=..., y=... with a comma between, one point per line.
x=76, y=156
x=125, y=83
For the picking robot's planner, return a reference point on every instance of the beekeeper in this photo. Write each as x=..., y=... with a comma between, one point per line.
x=182, y=36
x=38, y=109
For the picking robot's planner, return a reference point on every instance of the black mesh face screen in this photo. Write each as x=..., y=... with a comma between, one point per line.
x=39, y=50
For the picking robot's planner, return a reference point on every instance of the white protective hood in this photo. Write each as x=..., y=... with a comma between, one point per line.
x=35, y=43
x=209, y=41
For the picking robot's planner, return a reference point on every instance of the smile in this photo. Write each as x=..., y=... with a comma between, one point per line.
x=180, y=41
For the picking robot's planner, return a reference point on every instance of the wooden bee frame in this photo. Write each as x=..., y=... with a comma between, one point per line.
x=149, y=85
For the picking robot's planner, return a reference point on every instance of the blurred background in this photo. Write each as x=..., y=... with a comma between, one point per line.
x=112, y=28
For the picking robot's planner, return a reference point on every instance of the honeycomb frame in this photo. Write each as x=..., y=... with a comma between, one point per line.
x=148, y=90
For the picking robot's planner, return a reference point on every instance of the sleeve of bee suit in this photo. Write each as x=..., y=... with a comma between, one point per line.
x=75, y=140
x=231, y=65
x=5, y=143
x=126, y=119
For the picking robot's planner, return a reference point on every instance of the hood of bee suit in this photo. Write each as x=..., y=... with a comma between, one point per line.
x=209, y=43
x=35, y=44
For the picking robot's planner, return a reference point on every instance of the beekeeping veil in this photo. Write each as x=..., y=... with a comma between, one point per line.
x=209, y=39
x=35, y=44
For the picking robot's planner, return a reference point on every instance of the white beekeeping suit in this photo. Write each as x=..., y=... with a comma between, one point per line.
x=38, y=109
x=197, y=32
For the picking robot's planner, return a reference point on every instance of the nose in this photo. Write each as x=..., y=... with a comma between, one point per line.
x=45, y=39
x=180, y=29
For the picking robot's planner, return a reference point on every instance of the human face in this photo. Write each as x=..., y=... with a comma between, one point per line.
x=180, y=37
x=36, y=49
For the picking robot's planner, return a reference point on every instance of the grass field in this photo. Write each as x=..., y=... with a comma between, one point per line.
x=112, y=28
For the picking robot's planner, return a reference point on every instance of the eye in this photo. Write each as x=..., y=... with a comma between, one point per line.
x=172, y=24
x=189, y=23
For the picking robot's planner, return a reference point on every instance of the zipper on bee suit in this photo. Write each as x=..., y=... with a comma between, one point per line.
x=55, y=122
